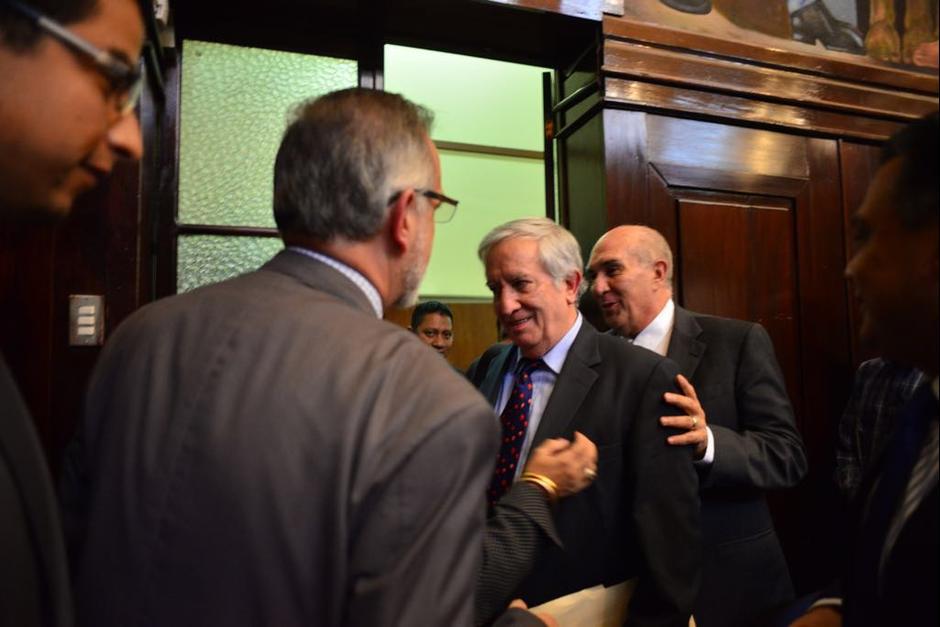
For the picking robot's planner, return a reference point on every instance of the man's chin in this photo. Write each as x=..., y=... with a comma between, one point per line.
x=49, y=211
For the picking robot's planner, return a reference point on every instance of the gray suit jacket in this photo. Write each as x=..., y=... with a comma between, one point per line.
x=732, y=366
x=34, y=582
x=264, y=451
x=641, y=516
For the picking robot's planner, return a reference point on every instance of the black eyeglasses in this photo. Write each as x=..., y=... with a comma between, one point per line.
x=442, y=213
x=125, y=79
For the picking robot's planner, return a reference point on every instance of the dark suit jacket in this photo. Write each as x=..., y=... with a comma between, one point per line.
x=640, y=517
x=264, y=451
x=732, y=366
x=34, y=583
x=907, y=591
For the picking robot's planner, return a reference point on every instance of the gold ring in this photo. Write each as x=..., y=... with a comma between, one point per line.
x=590, y=473
x=694, y=421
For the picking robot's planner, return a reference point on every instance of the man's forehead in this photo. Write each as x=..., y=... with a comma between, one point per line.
x=116, y=26
x=434, y=319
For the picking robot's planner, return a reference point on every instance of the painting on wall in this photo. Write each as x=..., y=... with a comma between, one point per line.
x=893, y=31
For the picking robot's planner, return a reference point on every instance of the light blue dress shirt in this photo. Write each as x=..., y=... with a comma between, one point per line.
x=543, y=382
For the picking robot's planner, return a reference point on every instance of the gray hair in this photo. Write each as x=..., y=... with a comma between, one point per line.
x=342, y=158
x=559, y=252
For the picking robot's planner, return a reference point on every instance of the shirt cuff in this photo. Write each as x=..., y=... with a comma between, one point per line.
x=826, y=602
x=709, y=456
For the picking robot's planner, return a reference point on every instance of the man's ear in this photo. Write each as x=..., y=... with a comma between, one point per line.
x=572, y=283
x=401, y=222
x=659, y=270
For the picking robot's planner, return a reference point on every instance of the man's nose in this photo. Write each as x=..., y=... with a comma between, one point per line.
x=124, y=137
x=598, y=285
x=505, y=303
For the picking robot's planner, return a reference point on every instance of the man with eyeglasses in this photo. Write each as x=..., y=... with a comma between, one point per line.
x=68, y=80
x=268, y=450
x=66, y=99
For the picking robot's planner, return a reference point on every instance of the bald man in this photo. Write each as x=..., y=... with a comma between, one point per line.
x=735, y=413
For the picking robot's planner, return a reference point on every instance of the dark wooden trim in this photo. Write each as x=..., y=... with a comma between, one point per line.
x=164, y=203
x=489, y=150
x=675, y=175
x=671, y=100
x=758, y=82
x=548, y=143
x=228, y=231
x=580, y=121
x=782, y=54
x=578, y=95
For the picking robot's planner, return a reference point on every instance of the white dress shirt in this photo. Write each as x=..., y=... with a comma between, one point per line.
x=655, y=337
x=352, y=274
x=543, y=382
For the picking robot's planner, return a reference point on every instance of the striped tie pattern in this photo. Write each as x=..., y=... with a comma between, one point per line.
x=923, y=479
x=514, y=421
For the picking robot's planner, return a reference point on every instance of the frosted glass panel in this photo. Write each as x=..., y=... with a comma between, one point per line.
x=203, y=259
x=234, y=109
x=475, y=101
x=491, y=190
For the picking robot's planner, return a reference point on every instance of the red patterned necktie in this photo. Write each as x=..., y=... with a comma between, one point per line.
x=515, y=421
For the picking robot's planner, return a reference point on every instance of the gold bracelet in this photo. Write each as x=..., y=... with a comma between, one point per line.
x=550, y=487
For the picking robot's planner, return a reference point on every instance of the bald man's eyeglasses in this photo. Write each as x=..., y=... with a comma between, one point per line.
x=444, y=210
x=125, y=79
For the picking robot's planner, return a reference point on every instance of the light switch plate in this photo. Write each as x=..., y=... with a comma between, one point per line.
x=86, y=320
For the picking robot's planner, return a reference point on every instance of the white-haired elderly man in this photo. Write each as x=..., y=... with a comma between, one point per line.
x=560, y=377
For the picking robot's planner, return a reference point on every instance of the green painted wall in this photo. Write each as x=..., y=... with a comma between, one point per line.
x=475, y=101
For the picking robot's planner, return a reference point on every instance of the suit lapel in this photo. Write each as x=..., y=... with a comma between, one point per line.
x=571, y=387
x=684, y=346
x=492, y=382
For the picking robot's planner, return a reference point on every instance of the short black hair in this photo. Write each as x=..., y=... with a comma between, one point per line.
x=916, y=194
x=18, y=33
x=429, y=307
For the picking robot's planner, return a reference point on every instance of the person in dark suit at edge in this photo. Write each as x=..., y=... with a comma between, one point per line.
x=890, y=577
x=66, y=117
x=559, y=377
x=734, y=411
x=244, y=460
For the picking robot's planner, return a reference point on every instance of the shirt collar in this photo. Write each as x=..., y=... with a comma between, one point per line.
x=557, y=354
x=360, y=281
x=655, y=336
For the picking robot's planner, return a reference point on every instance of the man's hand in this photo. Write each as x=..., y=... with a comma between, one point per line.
x=693, y=419
x=571, y=465
x=823, y=616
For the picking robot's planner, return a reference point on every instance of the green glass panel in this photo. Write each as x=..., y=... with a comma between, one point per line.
x=203, y=259
x=235, y=104
x=491, y=190
x=475, y=101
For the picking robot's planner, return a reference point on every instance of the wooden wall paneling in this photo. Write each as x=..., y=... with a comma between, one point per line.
x=475, y=330
x=726, y=151
x=708, y=73
x=858, y=164
x=740, y=109
x=812, y=528
x=625, y=159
